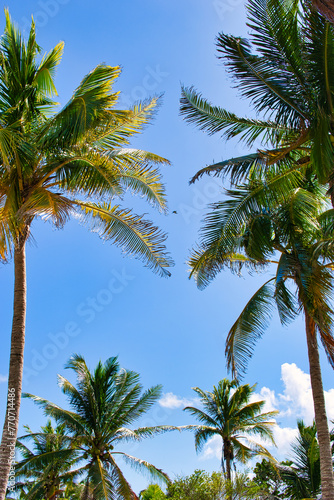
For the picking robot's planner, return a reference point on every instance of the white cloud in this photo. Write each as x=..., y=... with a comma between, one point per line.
x=3, y=378
x=283, y=438
x=271, y=403
x=329, y=398
x=296, y=400
x=212, y=448
x=172, y=401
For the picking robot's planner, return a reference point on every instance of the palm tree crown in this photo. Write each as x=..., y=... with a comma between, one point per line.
x=45, y=468
x=103, y=405
x=286, y=72
x=76, y=161
x=228, y=413
x=295, y=235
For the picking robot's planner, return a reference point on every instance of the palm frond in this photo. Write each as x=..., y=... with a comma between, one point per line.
x=238, y=168
x=89, y=104
x=213, y=119
x=135, y=235
x=48, y=205
x=119, y=126
x=45, y=74
x=267, y=89
x=249, y=328
x=125, y=434
x=70, y=419
x=144, y=466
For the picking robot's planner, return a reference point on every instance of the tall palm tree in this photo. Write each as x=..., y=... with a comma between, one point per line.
x=45, y=469
x=103, y=404
x=228, y=413
x=295, y=234
x=74, y=162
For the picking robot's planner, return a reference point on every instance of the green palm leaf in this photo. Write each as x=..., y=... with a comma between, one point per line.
x=249, y=328
x=212, y=119
x=135, y=235
x=101, y=403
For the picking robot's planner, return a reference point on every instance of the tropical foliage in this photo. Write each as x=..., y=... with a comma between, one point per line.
x=103, y=405
x=45, y=469
x=268, y=477
x=152, y=492
x=74, y=162
x=204, y=486
x=299, y=477
x=227, y=412
x=286, y=71
x=303, y=477
x=198, y=486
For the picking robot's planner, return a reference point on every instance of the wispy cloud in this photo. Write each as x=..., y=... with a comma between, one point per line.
x=172, y=401
x=3, y=378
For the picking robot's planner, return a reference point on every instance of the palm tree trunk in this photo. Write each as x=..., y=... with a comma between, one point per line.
x=10, y=428
x=326, y=8
x=326, y=466
x=223, y=461
x=227, y=456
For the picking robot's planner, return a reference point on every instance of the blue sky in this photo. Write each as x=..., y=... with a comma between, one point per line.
x=166, y=329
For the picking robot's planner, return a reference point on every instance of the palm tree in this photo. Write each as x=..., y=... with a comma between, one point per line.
x=74, y=162
x=102, y=406
x=228, y=413
x=286, y=72
x=302, y=477
x=296, y=235
x=45, y=470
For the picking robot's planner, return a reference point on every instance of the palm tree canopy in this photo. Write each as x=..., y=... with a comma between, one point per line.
x=47, y=467
x=103, y=405
x=286, y=72
x=303, y=477
x=294, y=233
x=76, y=161
x=228, y=412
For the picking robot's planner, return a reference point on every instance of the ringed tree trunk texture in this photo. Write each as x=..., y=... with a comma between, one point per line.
x=10, y=429
x=227, y=458
x=223, y=460
x=326, y=8
x=326, y=466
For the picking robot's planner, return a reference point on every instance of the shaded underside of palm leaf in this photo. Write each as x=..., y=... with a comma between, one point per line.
x=290, y=231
